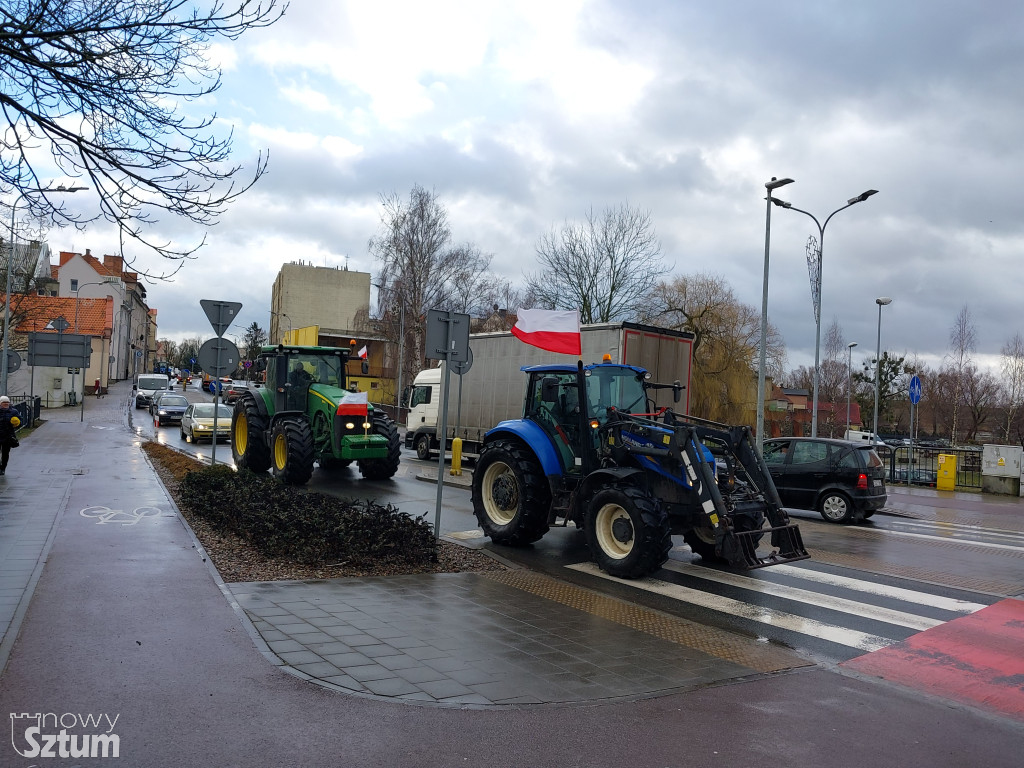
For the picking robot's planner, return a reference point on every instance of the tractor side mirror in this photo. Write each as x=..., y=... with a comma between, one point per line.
x=677, y=391
x=549, y=389
x=365, y=368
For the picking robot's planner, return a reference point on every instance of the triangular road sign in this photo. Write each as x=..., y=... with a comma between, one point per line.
x=220, y=313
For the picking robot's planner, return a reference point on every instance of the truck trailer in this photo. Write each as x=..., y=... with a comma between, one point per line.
x=492, y=390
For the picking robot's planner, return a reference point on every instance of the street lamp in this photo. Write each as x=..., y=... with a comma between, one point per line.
x=881, y=302
x=770, y=185
x=74, y=328
x=849, y=379
x=10, y=258
x=285, y=316
x=816, y=288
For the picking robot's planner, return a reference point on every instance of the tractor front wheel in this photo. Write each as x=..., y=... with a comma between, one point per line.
x=627, y=531
x=382, y=469
x=248, y=448
x=291, y=451
x=510, y=494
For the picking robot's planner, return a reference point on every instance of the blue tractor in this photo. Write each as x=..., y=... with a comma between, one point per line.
x=593, y=449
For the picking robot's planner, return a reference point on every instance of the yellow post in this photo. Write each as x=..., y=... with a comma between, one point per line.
x=946, y=480
x=456, y=457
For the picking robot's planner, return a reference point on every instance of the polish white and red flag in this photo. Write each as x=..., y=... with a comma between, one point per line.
x=552, y=329
x=362, y=353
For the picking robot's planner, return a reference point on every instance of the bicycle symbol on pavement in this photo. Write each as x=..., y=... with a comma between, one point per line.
x=108, y=515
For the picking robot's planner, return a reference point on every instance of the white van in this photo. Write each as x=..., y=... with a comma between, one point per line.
x=863, y=437
x=148, y=385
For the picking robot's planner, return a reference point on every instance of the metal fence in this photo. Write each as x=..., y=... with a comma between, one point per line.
x=27, y=408
x=915, y=465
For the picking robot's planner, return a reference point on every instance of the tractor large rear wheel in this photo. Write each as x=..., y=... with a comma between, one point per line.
x=248, y=447
x=627, y=531
x=291, y=451
x=510, y=494
x=382, y=469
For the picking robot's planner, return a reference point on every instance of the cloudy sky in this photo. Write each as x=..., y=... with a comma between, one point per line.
x=523, y=114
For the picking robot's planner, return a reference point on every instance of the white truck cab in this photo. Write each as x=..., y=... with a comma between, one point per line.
x=424, y=405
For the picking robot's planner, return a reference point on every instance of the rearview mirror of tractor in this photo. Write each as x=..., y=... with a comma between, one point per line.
x=549, y=389
x=677, y=391
x=365, y=367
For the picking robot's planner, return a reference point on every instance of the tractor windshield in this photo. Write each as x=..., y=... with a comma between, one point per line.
x=613, y=386
x=317, y=369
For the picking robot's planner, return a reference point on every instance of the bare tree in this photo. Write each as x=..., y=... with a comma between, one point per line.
x=1012, y=365
x=419, y=270
x=98, y=85
x=981, y=390
x=605, y=267
x=962, y=342
x=727, y=338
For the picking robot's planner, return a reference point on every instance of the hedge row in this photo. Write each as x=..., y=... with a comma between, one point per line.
x=305, y=526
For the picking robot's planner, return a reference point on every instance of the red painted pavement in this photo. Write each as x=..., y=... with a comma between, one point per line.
x=976, y=659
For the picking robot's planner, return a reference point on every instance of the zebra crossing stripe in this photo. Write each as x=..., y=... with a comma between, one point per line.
x=849, y=637
x=881, y=590
x=852, y=607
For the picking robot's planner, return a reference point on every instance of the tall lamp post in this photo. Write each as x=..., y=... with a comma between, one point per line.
x=881, y=302
x=816, y=288
x=285, y=316
x=74, y=328
x=770, y=186
x=849, y=379
x=10, y=258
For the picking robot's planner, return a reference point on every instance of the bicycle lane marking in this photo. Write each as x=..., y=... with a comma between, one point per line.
x=104, y=515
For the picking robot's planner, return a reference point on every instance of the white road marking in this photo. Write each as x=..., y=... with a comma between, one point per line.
x=954, y=539
x=882, y=590
x=852, y=607
x=848, y=637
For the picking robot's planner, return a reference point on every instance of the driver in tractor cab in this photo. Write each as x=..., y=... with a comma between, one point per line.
x=298, y=382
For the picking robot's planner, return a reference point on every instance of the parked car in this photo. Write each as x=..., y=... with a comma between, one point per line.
x=844, y=480
x=197, y=422
x=168, y=409
x=926, y=477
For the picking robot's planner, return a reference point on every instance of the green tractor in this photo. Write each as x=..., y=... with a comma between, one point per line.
x=305, y=413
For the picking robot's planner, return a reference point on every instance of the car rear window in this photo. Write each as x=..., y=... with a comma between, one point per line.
x=871, y=459
x=173, y=400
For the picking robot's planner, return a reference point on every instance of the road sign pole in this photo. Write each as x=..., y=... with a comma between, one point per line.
x=216, y=388
x=443, y=424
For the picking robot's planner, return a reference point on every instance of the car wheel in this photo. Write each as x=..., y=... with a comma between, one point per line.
x=835, y=507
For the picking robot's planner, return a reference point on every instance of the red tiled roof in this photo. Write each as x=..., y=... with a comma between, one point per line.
x=95, y=316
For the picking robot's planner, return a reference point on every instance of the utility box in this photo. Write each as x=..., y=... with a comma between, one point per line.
x=1001, y=469
x=946, y=480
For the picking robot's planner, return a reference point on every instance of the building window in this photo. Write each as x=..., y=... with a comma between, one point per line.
x=74, y=286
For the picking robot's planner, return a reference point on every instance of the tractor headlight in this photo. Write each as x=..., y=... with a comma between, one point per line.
x=366, y=425
x=349, y=425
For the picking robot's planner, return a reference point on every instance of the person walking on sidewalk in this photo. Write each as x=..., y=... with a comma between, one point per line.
x=9, y=423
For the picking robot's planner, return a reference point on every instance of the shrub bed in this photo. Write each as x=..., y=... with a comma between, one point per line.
x=304, y=526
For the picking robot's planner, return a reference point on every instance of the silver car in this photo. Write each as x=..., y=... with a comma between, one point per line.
x=197, y=423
